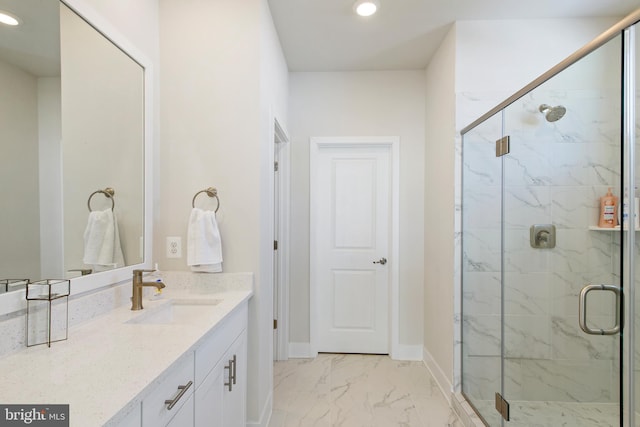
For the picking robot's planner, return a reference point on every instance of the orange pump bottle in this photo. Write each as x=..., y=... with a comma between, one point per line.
x=608, y=210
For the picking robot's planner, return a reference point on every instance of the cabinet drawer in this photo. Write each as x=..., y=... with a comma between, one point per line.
x=155, y=412
x=132, y=419
x=184, y=417
x=209, y=399
x=218, y=341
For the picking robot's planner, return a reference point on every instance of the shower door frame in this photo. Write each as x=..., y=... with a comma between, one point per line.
x=625, y=27
x=628, y=342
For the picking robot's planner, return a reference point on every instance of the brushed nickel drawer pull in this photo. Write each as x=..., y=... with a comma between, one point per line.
x=235, y=364
x=183, y=389
x=230, y=368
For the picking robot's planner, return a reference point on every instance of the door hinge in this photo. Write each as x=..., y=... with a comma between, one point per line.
x=502, y=406
x=502, y=146
x=275, y=245
x=275, y=166
x=275, y=323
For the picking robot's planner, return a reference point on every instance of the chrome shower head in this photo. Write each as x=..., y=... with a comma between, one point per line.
x=552, y=114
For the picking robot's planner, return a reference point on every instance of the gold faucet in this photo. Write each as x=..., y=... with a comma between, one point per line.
x=138, y=283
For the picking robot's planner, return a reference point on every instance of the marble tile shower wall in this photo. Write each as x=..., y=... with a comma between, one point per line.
x=555, y=174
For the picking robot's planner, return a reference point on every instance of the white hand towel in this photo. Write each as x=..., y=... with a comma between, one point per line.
x=102, y=248
x=204, y=246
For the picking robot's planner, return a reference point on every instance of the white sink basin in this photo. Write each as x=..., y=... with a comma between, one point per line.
x=176, y=312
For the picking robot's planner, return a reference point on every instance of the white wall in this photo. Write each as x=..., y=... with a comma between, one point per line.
x=439, y=184
x=223, y=76
x=490, y=66
x=137, y=21
x=384, y=103
x=493, y=59
x=19, y=174
x=50, y=167
x=209, y=124
x=274, y=91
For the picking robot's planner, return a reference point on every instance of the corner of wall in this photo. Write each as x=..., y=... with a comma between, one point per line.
x=300, y=350
x=439, y=223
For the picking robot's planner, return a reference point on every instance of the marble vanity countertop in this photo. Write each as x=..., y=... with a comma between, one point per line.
x=107, y=365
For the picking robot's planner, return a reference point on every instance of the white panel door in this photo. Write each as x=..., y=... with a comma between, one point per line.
x=351, y=203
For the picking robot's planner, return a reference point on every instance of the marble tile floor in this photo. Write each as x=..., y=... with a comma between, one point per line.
x=354, y=390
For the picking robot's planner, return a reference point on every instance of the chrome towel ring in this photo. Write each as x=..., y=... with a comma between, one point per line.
x=211, y=192
x=108, y=193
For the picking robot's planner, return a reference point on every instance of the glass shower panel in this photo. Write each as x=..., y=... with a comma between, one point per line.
x=565, y=152
x=481, y=269
x=635, y=255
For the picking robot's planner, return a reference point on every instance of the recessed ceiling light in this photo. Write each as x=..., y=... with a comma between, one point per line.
x=8, y=19
x=366, y=7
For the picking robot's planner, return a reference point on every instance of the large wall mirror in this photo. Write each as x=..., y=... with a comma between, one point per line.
x=72, y=120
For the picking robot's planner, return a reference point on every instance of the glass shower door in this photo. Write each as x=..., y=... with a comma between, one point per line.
x=631, y=247
x=481, y=269
x=565, y=153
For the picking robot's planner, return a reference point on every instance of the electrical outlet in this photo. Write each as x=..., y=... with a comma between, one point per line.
x=174, y=247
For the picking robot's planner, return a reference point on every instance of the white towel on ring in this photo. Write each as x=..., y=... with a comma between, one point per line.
x=204, y=245
x=102, y=248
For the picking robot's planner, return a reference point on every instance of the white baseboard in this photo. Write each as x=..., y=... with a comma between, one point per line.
x=265, y=417
x=300, y=350
x=441, y=378
x=408, y=352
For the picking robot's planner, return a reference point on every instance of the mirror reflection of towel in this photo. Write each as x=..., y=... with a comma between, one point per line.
x=102, y=247
x=204, y=246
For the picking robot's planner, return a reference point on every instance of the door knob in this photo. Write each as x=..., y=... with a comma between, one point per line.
x=382, y=261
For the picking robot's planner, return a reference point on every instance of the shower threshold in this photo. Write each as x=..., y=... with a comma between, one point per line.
x=553, y=414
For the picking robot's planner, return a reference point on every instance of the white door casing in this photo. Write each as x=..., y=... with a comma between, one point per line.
x=354, y=222
x=281, y=195
x=276, y=258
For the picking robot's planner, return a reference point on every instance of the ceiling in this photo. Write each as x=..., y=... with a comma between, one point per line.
x=34, y=45
x=326, y=35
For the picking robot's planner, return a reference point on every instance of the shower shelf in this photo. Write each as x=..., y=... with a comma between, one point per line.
x=596, y=228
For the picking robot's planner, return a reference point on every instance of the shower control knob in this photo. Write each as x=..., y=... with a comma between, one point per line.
x=382, y=261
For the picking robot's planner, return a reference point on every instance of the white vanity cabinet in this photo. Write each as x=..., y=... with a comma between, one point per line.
x=209, y=399
x=235, y=390
x=184, y=417
x=208, y=385
x=220, y=395
x=169, y=398
x=132, y=419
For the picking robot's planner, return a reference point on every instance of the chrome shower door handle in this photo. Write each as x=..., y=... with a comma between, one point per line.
x=582, y=309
